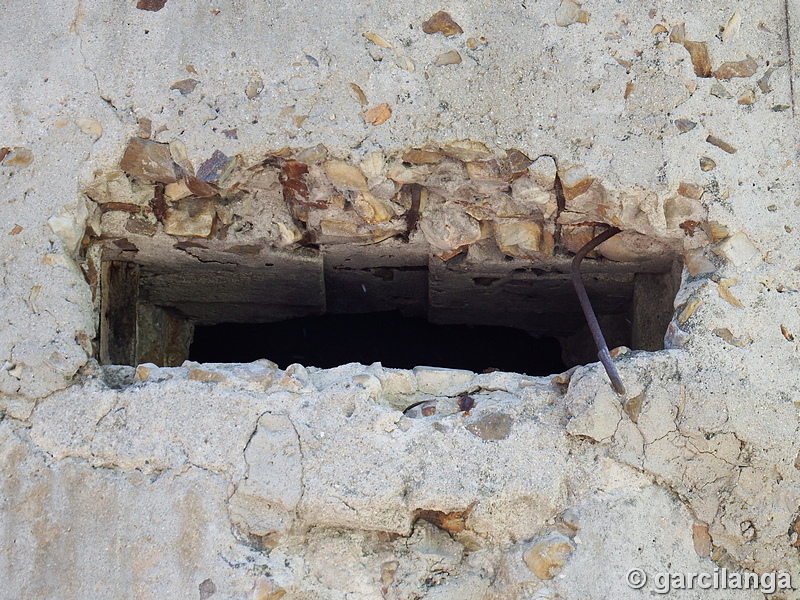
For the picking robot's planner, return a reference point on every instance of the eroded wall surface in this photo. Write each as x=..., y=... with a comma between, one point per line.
x=236, y=481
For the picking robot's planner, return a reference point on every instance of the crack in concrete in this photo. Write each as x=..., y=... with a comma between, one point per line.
x=302, y=468
x=790, y=53
x=76, y=27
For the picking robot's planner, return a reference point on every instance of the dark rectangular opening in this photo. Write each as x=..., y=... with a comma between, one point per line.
x=368, y=304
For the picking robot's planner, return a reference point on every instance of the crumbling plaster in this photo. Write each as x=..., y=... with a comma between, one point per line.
x=310, y=481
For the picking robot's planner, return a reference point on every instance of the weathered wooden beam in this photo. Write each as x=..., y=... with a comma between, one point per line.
x=119, y=283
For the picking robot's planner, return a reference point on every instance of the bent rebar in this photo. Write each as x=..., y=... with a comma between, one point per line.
x=591, y=318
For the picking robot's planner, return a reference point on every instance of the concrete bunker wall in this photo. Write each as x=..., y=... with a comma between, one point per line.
x=674, y=122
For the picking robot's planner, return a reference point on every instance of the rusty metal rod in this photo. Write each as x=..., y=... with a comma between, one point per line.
x=591, y=318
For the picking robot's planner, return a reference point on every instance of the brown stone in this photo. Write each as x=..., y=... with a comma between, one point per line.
x=747, y=97
x=706, y=163
x=265, y=589
x=148, y=160
x=492, y=427
x=701, y=539
x=575, y=181
x=721, y=144
x=152, y=5
x=442, y=23
x=378, y=114
x=206, y=376
x=548, y=555
x=467, y=150
x=518, y=162
x=422, y=157
x=451, y=57
x=727, y=335
x=739, y=68
x=690, y=190
x=18, y=157
x=698, y=51
x=185, y=86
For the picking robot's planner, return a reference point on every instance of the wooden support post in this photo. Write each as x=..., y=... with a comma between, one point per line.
x=120, y=291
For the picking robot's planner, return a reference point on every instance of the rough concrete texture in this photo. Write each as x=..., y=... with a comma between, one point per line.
x=236, y=481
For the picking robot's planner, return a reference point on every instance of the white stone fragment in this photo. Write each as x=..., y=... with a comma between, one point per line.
x=739, y=250
x=90, y=126
x=441, y=381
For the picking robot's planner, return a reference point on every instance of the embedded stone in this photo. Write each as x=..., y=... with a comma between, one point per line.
x=403, y=175
x=548, y=555
x=372, y=209
x=698, y=51
x=493, y=172
x=254, y=87
x=442, y=381
x=685, y=125
x=90, y=126
x=739, y=68
x=678, y=33
x=721, y=144
x=575, y=181
x=631, y=246
x=740, y=341
x=374, y=165
x=718, y=231
x=265, y=589
x=467, y=150
x=683, y=208
x=191, y=217
x=185, y=86
x=492, y=427
x=576, y=237
x=378, y=40
x=718, y=90
x=378, y=114
x=518, y=161
x=697, y=263
x=527, y=193
x=442, y=23
x=451, y=57
x=18, y=157
x=690, y=190
x=746, y=98
x=206, y=376
x=345, y=176
x=731, y=29
x=739, y=250
x=706, y=163
x=569, y=12
x=314, y=155
x=447, y=227
x=177, y=191
x=517, y=237
x=116, y=187
x=148, y=160
x=422, y=156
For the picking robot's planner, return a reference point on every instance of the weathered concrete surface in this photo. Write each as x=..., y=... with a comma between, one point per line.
x=186, y=485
